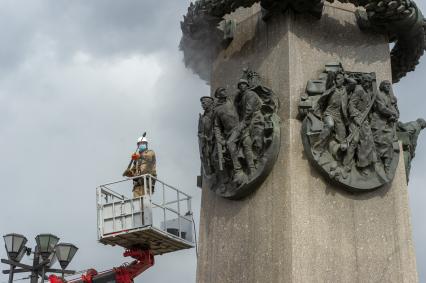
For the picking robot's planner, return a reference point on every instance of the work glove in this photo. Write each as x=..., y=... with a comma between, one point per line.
x=135, y=156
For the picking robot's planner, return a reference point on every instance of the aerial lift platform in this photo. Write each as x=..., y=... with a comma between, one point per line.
x=157, y=223
x=160, y=220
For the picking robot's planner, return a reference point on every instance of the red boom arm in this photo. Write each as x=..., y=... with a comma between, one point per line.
x=144, y=259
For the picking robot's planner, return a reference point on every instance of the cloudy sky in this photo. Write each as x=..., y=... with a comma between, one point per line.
x=79, y=81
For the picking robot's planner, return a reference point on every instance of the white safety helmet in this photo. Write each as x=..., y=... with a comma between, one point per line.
x=142, y=139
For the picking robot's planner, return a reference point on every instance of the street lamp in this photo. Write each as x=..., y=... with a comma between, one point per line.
x=46, y=244
x=65, y=253
x=45, y=253
x=15, y=245
x=15, y=248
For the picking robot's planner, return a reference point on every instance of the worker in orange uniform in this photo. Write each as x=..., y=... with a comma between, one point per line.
x=143, y=162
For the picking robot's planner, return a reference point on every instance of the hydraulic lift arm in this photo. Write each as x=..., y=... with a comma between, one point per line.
x=144, y=259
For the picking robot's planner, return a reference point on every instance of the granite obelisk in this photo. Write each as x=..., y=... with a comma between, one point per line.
x=297, y=227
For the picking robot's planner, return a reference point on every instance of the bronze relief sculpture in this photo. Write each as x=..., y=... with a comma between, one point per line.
x=349, y=119
x=349, y=128
x=239, y=137
x=408, y=134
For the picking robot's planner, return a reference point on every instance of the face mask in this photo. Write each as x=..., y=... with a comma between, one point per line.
x=142, y=147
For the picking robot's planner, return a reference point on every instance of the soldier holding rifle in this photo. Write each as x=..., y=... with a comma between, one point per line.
x=205, y=133
x=361, y=140
x=225, y=126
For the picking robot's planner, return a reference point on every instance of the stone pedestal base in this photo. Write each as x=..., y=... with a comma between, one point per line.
x=297, y=227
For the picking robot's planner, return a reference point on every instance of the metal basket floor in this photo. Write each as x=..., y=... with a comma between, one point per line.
x=158, y=241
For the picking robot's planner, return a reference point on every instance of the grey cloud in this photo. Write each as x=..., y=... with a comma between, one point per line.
x=67, y=128
x=111, y=27
x=101, y=28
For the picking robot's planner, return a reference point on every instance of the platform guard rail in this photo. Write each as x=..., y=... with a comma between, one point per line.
x=160, y=220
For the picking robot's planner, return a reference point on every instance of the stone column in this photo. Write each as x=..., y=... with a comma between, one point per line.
x=297, y=227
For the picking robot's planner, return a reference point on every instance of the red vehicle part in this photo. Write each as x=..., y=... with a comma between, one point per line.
x=55, y=279
x=144, y=259
x=88, y=277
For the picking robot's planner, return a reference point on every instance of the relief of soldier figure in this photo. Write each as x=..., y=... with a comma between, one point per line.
x=349, y=127
x=408, y=134
x=239, y=137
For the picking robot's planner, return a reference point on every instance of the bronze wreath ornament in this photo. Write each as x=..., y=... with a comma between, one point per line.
x=400, y=20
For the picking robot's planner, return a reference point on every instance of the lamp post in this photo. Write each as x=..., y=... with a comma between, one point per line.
x=46, y=246
x=46, y=250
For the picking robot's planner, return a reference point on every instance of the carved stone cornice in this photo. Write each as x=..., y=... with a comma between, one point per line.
x=401, y=20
